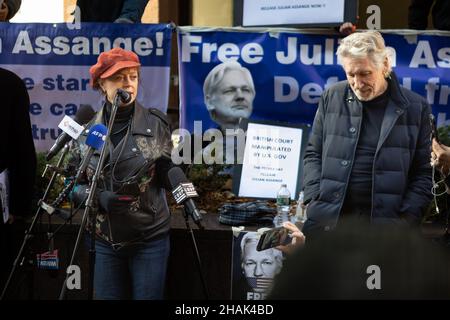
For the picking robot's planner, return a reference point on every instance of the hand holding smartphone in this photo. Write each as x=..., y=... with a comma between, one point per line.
x=274, y=237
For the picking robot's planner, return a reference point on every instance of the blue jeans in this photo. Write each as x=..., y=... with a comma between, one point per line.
x=136, y=272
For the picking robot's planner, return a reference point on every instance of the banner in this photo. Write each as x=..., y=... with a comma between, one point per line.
x=54, y=61
x=290, y=70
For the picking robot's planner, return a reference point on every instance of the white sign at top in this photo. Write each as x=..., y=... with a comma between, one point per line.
x=292, y=12
x=271, y=158
x=50, y=11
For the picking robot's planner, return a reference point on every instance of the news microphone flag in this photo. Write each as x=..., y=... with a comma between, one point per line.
x=71, y=127
x=96, y=136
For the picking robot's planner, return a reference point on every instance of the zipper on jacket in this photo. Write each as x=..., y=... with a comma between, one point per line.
x=352, y=160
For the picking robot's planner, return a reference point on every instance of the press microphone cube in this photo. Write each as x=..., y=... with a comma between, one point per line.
x=184, y=191
x=97, y=136
x=83, y=116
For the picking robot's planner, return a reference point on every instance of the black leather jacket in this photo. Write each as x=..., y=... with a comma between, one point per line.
x=139, y=164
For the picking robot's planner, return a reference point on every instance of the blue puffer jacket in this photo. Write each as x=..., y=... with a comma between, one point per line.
x=401, y=170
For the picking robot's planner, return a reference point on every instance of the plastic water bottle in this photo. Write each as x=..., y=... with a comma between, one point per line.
x=283, y=206
x=300, y=213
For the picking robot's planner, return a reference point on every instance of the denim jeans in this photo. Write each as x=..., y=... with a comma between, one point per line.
x=135, y=272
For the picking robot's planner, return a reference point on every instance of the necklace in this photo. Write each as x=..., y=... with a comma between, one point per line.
x=122, y=127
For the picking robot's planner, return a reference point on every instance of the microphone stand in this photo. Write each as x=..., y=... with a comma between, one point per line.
x=195, y=250
x=91, y=211
x=29, y=233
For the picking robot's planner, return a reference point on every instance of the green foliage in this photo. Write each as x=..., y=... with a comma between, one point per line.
x=208, y=177
x=444, y=135
x=42, y=182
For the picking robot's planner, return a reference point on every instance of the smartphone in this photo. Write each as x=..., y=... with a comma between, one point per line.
x=274, y=237
x=434, y=132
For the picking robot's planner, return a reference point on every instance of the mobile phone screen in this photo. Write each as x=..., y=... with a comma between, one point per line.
x=272, y=238
x=434, y=131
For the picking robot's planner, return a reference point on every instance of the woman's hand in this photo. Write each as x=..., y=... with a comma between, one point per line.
x=298, y=238
x=440, y=157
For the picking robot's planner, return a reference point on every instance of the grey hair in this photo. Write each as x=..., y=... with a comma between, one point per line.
x=365, y=44
x=217, y=73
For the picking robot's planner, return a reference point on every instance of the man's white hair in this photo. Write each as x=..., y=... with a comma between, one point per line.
x=368, y=44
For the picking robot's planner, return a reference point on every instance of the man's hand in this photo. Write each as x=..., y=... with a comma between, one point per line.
x=298, y=238
x=440, y=157
x=347, y=28
x=3, y=12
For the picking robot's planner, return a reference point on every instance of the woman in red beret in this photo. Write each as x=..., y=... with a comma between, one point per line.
x=132, y=245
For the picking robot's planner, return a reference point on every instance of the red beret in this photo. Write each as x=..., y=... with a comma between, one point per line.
x=110, y=62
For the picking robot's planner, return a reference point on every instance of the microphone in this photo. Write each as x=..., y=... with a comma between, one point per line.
x=95, y=140
x=183, y=191
x=84, y=114
x=124, y=96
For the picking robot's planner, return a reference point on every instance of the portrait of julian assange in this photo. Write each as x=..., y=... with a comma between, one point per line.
x=253, y=270
x=229, y=93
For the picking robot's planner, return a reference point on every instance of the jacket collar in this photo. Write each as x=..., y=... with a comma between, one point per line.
x=142, y=124
x=397, y=103
x=395, y=93
x=396, y=106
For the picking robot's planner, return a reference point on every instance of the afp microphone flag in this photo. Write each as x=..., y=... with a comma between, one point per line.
x=291, y=69
x=54, y=61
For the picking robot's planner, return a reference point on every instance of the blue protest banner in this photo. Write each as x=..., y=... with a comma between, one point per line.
x=54, y=61
x=290, y=69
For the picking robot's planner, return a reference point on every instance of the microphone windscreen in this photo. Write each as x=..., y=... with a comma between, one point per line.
x=176, y=176
x=95, y=138
x=84, y=114
x=124, y=95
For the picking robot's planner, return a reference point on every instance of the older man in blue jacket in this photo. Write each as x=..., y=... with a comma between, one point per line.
x=368, y=154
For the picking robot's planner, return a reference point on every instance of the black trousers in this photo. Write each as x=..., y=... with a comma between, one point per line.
x=354, y=213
